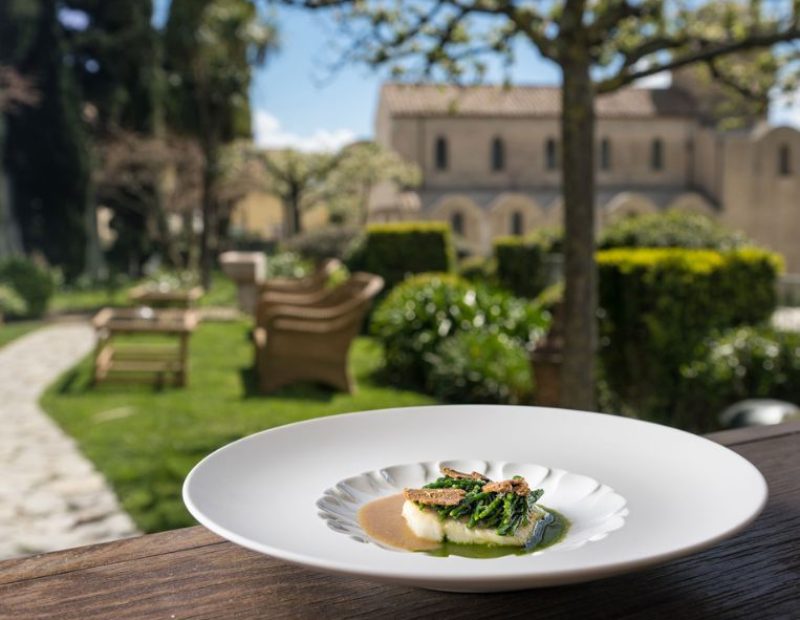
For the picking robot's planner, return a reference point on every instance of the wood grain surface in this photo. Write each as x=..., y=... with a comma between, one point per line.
x=192, y=573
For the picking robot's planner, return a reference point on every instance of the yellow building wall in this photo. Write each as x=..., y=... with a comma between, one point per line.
x=261, y=215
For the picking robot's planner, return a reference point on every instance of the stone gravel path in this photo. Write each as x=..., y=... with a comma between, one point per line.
x=51, y=496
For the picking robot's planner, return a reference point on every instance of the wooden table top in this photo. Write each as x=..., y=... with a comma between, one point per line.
x=146, y=320
x=192, y=573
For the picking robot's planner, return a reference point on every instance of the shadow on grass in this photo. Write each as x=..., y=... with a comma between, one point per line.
x=68, y=383
x=79, y=382
x=299, y=391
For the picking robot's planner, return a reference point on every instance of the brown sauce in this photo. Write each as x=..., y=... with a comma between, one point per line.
x=383, y=521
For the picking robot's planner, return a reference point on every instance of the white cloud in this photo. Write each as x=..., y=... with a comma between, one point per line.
x=657, y=80
x=784, y=109
x=267, y=133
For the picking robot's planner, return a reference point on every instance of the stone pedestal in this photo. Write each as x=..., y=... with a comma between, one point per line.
x=248, y=270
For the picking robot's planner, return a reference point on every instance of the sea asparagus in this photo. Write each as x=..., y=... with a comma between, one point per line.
x=504, y=512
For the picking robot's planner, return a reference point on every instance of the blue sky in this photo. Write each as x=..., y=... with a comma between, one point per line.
x=297, y=102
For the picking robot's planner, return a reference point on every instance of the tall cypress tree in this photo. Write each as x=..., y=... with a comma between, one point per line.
x=116, y=59
x=117, y=63
x=45, y=151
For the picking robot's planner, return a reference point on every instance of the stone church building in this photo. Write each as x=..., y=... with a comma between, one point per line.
x=490, y=162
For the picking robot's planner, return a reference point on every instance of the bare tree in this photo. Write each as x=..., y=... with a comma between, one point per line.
x=152, y=178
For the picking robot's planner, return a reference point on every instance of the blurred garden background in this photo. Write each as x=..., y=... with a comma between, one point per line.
x=171, y=281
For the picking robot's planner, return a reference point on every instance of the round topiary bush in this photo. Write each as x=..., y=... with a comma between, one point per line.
x=424, y=310
x=480, y=367
x=34, y=284
x=11, y=304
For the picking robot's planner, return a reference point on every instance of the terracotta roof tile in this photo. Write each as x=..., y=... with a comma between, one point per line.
x=525, y=101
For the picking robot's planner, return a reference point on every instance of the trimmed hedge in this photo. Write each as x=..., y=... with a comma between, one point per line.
x=658, y=305
x=670, y=229
x=478, y=269
x=481, y=367
x=422, y=312
x=523, y=263
x=746, y=362
x=395, y=251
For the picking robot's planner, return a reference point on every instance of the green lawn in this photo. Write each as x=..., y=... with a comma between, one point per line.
x=87, y=300
x=15, y=329
x=222, y=293
x=145, y=441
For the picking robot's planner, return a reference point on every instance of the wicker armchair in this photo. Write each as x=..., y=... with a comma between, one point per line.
x=311, y=343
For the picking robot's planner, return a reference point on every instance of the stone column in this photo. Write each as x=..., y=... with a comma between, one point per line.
x=248, y=270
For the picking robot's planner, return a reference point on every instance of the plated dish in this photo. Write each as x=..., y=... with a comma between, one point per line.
x=623, y=487
x=464, y=514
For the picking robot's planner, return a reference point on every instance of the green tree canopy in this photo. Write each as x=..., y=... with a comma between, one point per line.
x=210, y=47
x=361, y=167
x=298, y=179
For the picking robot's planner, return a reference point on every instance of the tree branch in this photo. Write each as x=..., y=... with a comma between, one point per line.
x=703, y=51
x=729, y=82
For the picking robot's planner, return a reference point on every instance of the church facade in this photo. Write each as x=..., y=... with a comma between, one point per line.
x=489, y=158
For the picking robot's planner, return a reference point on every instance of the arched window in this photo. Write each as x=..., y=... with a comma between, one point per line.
x=517, y=223
x=551, y=154
x=784, y=160
x=498, y=155
x=440, y=153
x=605, y=154
x=657, y=154
x=457, y=222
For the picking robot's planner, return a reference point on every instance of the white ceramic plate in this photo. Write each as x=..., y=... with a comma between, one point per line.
x=638, y=493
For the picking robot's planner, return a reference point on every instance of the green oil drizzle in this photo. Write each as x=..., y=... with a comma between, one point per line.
x=551, y=533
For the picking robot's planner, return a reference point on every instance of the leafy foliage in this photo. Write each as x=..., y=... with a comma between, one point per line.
x=327, y=242
x=287, y=265
x=479, y=269
x=48, y=138
x=34, y=284
x=550, y=296
x=395, y=251
x=658, y=306
x=427, y=309
x=456, y=39
x=746, y=362
x=671, y=229
x=11, y=304
x=298, y=179
x=480, y=367
x=210, y=48
x=360, y=168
